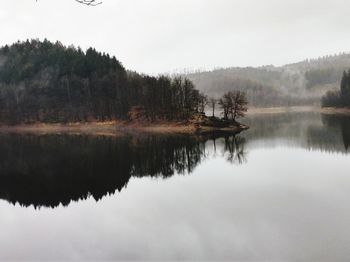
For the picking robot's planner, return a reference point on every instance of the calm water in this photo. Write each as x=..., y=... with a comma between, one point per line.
x=279, y=191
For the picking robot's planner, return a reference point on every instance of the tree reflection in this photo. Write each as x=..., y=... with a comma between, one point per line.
x=234, y=148
x=340, y=123
x=308, y=130
x=57, y=169
x=345, y=127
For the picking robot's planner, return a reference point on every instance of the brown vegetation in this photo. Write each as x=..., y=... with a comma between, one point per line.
x=197, y=124
x=335, y=110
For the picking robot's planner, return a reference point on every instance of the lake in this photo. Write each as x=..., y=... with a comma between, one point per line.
x=279, y=191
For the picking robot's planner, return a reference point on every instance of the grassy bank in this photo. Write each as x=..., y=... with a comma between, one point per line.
x=115, y=128
x=335, y=110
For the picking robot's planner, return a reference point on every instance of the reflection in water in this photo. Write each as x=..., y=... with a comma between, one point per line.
x=57, y=169
x=287, y=201
x=234, y=146
x=312, y=131
x=52, y=170
x=342, y=123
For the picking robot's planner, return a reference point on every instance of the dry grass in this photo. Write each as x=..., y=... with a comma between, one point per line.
x=115, y=128
x=333, y=110
x=93, y=128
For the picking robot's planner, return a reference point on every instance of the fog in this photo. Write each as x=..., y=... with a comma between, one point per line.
x=156, y=36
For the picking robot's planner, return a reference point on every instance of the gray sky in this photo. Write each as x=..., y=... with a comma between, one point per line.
x=155, y=36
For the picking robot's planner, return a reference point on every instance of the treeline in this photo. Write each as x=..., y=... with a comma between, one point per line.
x=41, y=81
x=339, y=98
x=322, y=77
x=163, y=97
x=300, y=83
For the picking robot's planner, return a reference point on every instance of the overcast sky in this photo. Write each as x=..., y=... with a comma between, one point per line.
x=154, y=36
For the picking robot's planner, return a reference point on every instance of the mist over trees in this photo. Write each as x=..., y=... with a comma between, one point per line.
x=49, y=82
x=339, y=98
x=302, y=83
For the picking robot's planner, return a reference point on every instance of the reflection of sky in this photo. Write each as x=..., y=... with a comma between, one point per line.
x=284, y=203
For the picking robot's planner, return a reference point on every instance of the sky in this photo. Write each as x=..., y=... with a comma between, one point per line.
x=157, y=36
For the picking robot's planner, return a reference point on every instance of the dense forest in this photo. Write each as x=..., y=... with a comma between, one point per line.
x=339, y=98
x=302, y=83
x=41, y=81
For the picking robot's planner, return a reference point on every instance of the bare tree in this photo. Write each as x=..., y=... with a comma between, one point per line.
x=203, y=101
x=212, y=102
x=239, y=102
x=234, y=103
x=226, y=104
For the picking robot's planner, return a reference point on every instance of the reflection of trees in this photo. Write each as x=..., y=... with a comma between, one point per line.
x=339, y=123
x=234, y=147
x=52, y=170
x=345, y=128
x=312, y=131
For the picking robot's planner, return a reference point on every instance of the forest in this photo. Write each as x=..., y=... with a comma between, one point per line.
x=41, y=81
x=339, y=98
x=302, y=83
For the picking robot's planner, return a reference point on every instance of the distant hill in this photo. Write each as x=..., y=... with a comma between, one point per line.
x=299, y=83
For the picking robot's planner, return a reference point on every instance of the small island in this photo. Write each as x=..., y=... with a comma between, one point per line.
x=47, y=87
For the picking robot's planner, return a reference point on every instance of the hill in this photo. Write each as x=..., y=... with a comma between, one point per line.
x=41, y=81
x=293, y=84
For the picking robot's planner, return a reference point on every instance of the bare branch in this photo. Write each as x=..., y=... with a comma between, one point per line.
x=89, y=2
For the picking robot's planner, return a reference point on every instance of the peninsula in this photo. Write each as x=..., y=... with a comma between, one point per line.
x=49, y=87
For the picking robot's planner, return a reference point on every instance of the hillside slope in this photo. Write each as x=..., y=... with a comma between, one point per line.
x=299, y=83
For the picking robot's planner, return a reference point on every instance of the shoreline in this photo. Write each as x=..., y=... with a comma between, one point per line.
x=299, y=109
x=280, y=110
x=118, y=128
x=115, y=128
x=335, y=110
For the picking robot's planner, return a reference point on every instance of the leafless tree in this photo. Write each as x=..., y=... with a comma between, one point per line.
x=239, y=102
x=203, y=101
x=89, y=2
x=226, y=104
x=212, y=102
x=234, y=103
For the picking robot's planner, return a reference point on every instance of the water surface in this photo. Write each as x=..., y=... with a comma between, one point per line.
x=279, y=191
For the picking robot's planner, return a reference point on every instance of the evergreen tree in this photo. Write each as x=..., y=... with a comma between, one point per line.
x=49, y=82
x=339, y=98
